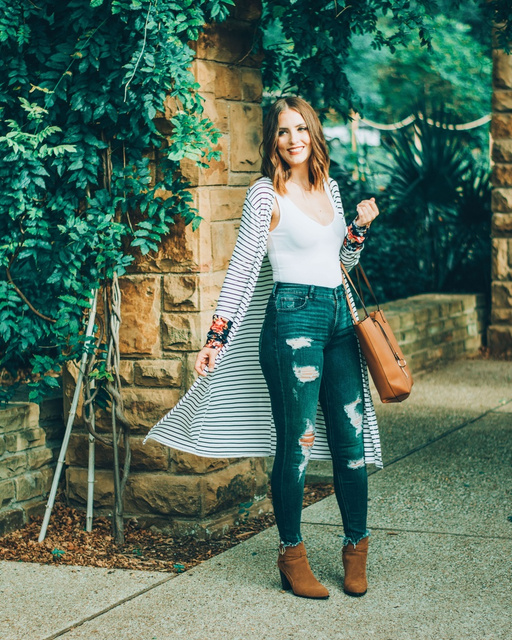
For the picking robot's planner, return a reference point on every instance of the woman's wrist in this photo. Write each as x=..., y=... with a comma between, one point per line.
x=218, y=334
x=360, y=227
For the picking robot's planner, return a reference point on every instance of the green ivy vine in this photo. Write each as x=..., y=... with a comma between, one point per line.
x=81, y=84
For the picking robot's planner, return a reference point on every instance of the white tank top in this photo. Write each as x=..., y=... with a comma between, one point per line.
x=304, y=251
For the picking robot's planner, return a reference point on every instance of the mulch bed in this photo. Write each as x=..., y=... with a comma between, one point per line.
x=145, y=549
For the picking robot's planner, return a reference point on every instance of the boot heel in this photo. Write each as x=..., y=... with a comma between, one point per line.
x=285, y=582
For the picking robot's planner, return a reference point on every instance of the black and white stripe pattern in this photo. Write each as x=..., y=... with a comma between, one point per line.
x=227, y=414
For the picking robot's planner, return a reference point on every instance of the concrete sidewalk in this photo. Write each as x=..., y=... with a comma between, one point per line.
x=439, y=563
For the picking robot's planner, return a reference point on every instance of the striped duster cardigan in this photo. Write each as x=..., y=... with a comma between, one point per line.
x=227, y=414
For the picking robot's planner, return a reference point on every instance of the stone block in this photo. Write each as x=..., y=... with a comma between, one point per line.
x=241, y=179
x=246, y=135
x=19, y=415
x=501, y=126
x=224, y=235
x=217, y=171
x=502, y=150
x=11, y=520
x=76, y=487
x=126, y=371
x=502, y=100
x=499, y=340
x=190, y=373
x=183, y=462
x=182, y=331
x=249, y=10
x=227, y=203
x=216, y=526
x=501, y=69
x=34, y=509
x=6, y=492
x=502, y=200
x=50, y=410
x=140, y=314
x=210, y=285
x=145, y=407
x=228, y=487
x=181, y=292
x=502, y=259
x=32, y=485
x=217, y=111
x=205, y=73
x=501, y=175
x=13, y=465
x=149, y=457
x=501, y=316
x=158, y=373
x=260, y=478
x=501, y=294
x=472, y=344
x=502, y=224
x=252, y=86
x=164, y=494
x=25, y=439
x=37, y=458
x=229, y=42
x=69, y=378
x=2, y=445
x=222, y=80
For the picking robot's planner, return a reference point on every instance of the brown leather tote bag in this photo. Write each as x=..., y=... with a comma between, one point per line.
x=386, y=363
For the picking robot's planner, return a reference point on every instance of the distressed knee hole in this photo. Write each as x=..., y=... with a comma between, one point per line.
x=356, y=464
x=306, y=441
x=354, y=411
x=306, y=374
x=299, y=343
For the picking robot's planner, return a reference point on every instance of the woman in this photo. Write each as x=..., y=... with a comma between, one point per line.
x=282, y=342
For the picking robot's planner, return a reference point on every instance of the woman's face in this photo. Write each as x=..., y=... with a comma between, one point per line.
x=293, y=141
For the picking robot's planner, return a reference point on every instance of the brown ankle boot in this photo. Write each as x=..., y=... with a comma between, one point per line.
x=354, y=563
x=296, y=573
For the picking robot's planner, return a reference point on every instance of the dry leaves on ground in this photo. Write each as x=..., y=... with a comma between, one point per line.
x=145, y=549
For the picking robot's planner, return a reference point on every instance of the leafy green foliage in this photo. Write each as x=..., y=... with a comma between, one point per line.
x=82, y=84
x=434, y=233
x=308, y=43
x=455, y=72
x=312, y=48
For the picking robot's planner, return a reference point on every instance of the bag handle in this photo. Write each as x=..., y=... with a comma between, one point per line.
x=359, y=269
x=357, y=291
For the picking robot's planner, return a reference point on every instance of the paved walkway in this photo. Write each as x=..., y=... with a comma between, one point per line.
x=439, y=564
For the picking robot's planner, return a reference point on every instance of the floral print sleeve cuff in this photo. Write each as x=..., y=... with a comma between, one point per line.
x=218, y=334
x=355, y=237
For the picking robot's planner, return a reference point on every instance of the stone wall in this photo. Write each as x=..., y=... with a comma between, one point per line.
x=30, y=439
x=435, y=327
x=167, y=305
x=500, y=330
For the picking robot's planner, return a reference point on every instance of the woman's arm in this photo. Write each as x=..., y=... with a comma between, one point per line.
x=357, y=232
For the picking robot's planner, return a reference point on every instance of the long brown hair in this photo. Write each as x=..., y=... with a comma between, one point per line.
x=272, y=165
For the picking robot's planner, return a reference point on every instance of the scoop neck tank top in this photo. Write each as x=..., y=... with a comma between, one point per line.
x=303, y=251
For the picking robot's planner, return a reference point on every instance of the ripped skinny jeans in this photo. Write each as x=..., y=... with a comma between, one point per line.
x=309, y=353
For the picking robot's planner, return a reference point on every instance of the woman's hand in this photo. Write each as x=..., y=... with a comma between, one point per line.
x=367, y=211
x=205, y=358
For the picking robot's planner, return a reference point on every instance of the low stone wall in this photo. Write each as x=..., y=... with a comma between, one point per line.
x=30, y=439
x=434, y=327
x=175, y=491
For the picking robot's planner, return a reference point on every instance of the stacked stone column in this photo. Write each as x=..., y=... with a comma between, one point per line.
x=167, y=304
x=500, y=330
